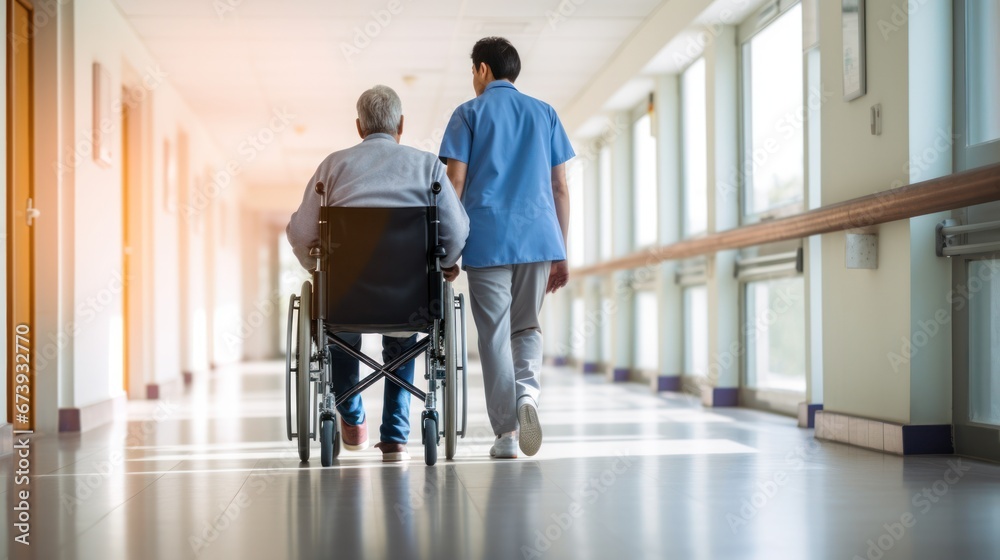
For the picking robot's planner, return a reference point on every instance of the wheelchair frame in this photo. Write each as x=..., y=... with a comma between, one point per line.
x=316, y=412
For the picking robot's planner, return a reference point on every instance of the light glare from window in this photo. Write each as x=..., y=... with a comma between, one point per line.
x=773, y=165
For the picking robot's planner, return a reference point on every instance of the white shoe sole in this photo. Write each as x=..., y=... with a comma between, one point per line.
x=395, y=457
x=530, y=435
x=361, y=447
x=493, y=454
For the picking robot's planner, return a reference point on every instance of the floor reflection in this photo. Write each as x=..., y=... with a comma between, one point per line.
x=623, y=474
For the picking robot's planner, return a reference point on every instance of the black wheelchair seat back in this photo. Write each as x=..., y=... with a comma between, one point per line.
x=379, y=268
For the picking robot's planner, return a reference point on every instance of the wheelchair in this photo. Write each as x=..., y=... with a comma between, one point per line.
x=378, y=270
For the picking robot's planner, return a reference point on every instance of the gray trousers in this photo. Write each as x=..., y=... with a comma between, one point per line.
x=505, y=303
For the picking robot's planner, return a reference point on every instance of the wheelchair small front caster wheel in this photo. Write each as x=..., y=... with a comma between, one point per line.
x=430, y=441
x=329, y=441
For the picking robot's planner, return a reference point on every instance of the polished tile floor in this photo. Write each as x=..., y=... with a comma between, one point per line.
x=622, y=474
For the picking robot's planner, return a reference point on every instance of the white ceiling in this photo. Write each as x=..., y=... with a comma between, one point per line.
x=236, y=68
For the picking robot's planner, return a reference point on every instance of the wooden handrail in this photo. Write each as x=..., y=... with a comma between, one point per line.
x=958, y=190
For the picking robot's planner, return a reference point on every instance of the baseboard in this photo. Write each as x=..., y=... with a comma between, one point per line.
x=668, y=383
x=188, y=377
x=6, y=439
x=165, y=389
x=557, y=361
x=591, y=367
x=92, y=416
x=720, y=396
x=619, y=375
x=807, y=414
x=887, y=437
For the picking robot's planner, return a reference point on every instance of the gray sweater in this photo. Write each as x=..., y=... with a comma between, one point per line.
x=379, y=173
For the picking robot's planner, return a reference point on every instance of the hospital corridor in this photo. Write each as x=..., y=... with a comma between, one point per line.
x=532, y=279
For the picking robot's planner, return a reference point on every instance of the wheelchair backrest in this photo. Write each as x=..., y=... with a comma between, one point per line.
x=379, y=268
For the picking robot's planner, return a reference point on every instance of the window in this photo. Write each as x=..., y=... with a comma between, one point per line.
x=694, y=122
x=773, y=166
x=977, y=80
x=984, y=342
x=983, y=70
x=604, y=165
x=647, y=329
x=644, y=181
x=775, y=334
x=696, y=331
x=575, y=243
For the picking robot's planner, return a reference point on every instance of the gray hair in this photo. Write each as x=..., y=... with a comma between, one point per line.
x=379, y=110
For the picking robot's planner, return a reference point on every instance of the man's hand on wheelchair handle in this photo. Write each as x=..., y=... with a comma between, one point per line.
x=558, y=276
x=451, y=272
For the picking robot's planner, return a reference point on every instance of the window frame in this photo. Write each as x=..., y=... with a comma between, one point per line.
x=605, y=216
x=965, y=156
x=685, y=234
x=635, y=116
x=745, y=32
x=780, y=401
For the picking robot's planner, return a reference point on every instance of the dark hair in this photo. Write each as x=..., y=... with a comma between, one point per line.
x=499, y=55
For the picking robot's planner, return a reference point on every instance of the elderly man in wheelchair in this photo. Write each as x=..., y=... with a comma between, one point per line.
x=381, y=228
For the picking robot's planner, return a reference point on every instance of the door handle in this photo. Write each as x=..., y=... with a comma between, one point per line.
x=30, y=213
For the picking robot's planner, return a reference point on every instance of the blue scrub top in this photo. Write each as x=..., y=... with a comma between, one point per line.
x=510, y=142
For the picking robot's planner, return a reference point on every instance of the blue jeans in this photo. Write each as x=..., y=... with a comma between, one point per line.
x=396, y=408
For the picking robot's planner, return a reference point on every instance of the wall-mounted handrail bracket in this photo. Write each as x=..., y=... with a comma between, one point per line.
x=951, y=238
x=941, y=239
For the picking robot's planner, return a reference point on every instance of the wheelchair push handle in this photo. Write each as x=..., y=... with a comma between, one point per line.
x=439, y=251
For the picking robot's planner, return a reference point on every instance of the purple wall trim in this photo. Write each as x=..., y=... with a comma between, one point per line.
x=811, y=414
x=725, y=396
x=188, y=377
x=926, y=440
x=69, y=419
x=559, y=361
x=620, y=374
x=668, y=383
x=591, y=367
x=153, y=391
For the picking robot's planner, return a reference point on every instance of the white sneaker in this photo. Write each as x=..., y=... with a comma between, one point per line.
x=531, y=430
x=505, y=447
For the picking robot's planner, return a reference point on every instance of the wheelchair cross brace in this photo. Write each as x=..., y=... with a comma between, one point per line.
x=387, y=371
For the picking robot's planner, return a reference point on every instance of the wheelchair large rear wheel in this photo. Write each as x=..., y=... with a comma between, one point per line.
x=451, y=376
x=303, y=404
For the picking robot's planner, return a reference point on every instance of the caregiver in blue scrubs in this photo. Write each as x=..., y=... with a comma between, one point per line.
x=506, y=154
